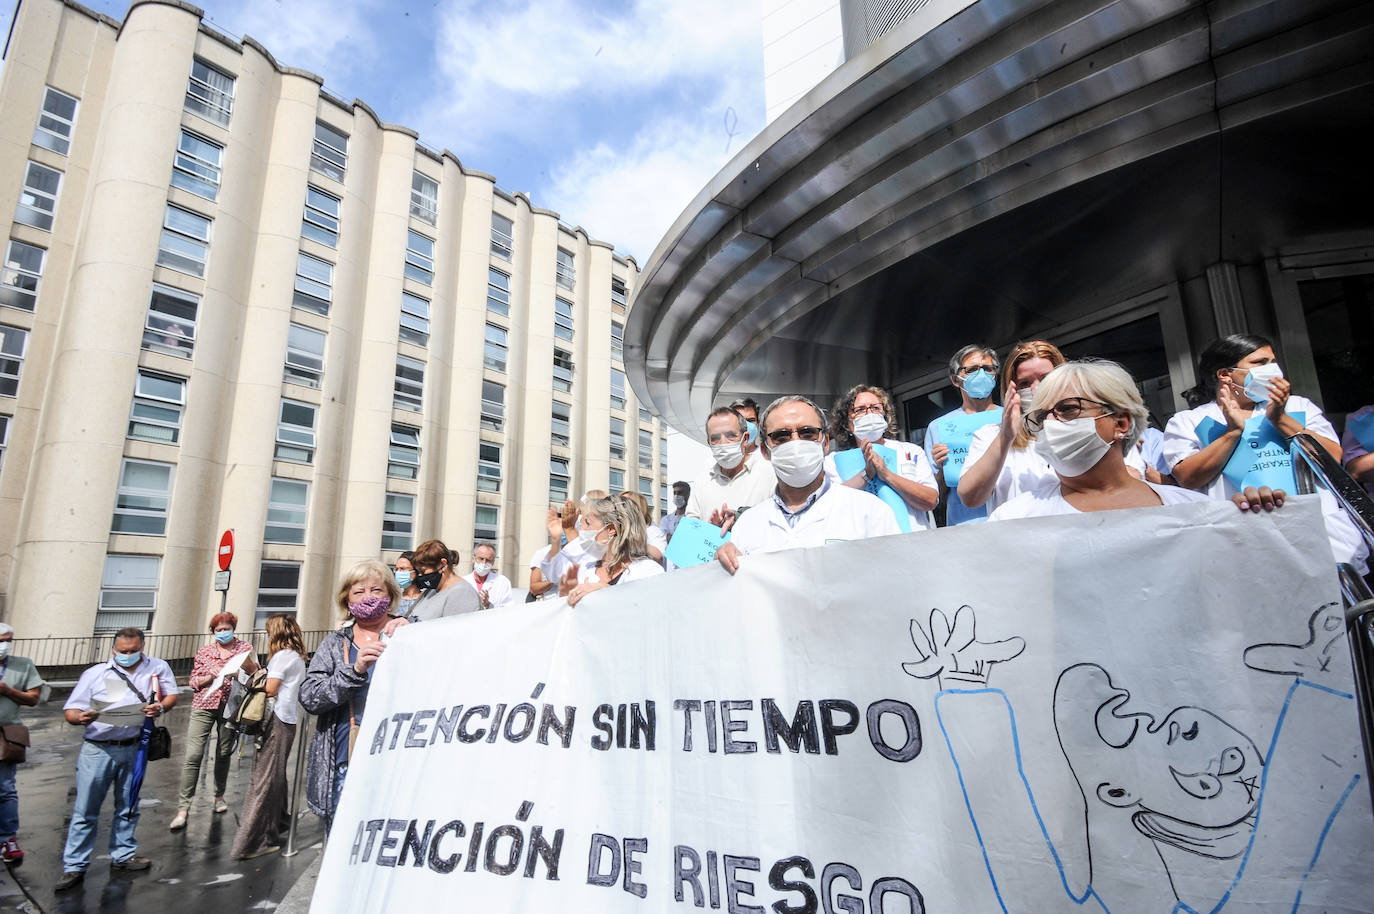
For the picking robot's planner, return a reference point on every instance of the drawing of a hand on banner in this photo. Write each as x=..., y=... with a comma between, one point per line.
x=1181, y=795
x=953, y=652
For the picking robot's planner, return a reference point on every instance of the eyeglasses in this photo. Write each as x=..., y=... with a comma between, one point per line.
x=857, y=410
x=970, y=369
x=805, y=433
x=724, y=438
x=1065, y=410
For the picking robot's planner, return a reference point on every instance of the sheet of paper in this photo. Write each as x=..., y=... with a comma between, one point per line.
x=230, y=669
x=119, y=715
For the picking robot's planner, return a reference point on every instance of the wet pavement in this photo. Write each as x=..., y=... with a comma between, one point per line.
x=192, y=869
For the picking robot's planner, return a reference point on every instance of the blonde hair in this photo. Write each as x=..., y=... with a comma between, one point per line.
x=642, y=502
x=1101, y=380
x=1024, y=352
x=284, y=634
x=630, y=541
x=368, y=568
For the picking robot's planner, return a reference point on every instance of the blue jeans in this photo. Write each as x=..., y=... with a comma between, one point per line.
x=98, y=767
x=9, y=801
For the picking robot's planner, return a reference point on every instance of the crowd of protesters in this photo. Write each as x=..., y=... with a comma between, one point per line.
x=1067, y=437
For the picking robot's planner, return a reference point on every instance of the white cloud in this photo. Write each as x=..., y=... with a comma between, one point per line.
x=331, y=38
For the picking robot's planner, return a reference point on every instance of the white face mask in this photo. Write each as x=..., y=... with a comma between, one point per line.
x=5, y=648
x=870, y=427
x=797, y=463
x=1071, y=448
x=729, y=454
x=1027, y=395
x=481, y=569
x=1257, y=381
x=587, y=540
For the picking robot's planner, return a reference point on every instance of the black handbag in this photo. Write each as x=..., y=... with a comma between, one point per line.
x=160, y=740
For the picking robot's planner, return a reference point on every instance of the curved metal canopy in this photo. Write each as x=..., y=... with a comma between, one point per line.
x=946, y=124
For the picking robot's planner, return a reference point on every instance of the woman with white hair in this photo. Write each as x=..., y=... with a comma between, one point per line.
x=1085, y=420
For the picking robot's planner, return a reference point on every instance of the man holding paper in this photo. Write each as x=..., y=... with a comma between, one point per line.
x=805, y=509
x=110, y=701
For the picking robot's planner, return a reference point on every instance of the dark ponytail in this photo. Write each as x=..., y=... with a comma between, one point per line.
x=1222, y=353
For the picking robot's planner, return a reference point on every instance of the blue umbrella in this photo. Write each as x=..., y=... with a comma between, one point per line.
x=140, y=763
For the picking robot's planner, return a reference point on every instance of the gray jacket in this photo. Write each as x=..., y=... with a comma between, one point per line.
x=458, y=599
x=330, y=686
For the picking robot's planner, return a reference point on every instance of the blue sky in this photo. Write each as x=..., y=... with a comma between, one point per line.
x=613, y=114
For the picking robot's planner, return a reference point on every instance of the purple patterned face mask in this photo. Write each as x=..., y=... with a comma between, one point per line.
x=369, y=608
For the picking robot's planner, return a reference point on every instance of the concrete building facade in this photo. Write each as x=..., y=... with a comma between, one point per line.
x=233, y=301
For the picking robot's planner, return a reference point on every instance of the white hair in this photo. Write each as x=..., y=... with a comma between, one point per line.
x=1101, y=380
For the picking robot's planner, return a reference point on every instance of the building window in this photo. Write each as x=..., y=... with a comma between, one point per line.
x=424, y=198
x=617, y=341
x=562, y=370
x=618, y=295
x=398, y=521
x=562, y=319
x=158, y=402
x=561, y=425
x=296, y=432
x=304, y=356
x=286, y=511
x=210, y=93
x=410, y=384
x=663, y=500
x=486, y=524
x=494, y=356
x=663, y=454
x=329, y=156
x=617, y=438
x=404, y=458
x=646, y=488
x=646, y=449
x=38, y=197
x=420, y=258
x=565, y=274
x=502, y=236
x=617, y=480
x=414, y=319
x=279, y=583
x=493, y=405
x=321, y=220
x=498, y=292
x=4, y=438
x=14, y=341
x=196, y=167
x=171, y=324
x=145, y=488
x=617, y=388
x=22, y=273
x=314, y=283
x=488, y=467
x=558, y=480
x=55, y=121
x=645, y=416
x=128, y=593
x=185, y=242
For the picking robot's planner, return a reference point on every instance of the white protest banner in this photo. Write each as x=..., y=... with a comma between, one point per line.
x=1129, y=711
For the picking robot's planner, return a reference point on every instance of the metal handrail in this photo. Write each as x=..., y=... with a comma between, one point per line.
x=65, y=658
x=1313, y=467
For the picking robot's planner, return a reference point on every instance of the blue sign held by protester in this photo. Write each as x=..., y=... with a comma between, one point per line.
x=694, y=542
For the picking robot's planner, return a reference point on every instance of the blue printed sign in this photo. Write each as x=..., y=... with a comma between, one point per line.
x=850, y=463
x=1261, y=457
x=694, y=542
x=955, y=431
x=1362, y=427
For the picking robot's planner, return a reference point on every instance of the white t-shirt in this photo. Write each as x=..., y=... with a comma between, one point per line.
x=1048, y=500
x=1024, y=470
x=1182, y=439
x=638, y=570
x=838, y=513
x=911, y=464
x=287, y=666
x=752, y=484
x=657, y=538
x=497, y=586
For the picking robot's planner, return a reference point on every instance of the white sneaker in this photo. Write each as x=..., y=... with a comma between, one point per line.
x=178, y=821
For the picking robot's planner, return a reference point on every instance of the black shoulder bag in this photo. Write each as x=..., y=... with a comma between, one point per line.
x=160, y=740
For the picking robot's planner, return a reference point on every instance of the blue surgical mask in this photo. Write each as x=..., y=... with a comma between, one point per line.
x=979, y=384
x=128, y=660
x=752, y=429
x=224, y=637
x=403, y=579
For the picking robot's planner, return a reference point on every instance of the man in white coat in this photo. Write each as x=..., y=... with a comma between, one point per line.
x=493, y=588
x=805, y=509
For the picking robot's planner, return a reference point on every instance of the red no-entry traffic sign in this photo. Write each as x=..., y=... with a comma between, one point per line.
x=226, y=550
